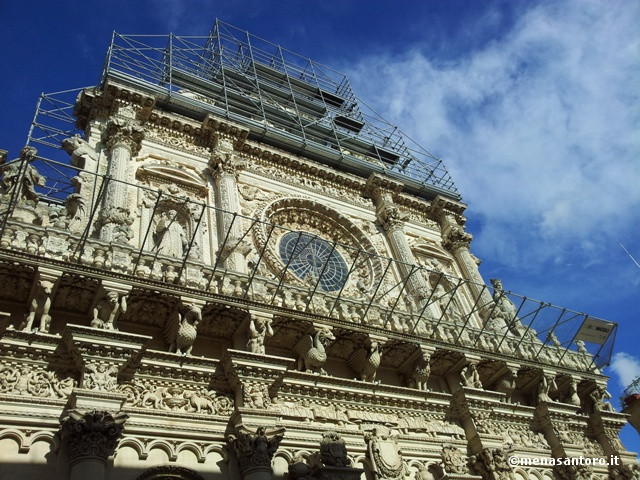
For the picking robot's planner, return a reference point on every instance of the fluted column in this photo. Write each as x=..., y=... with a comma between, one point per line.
x=90, y=438
x=392, y=220
x=255, y=451
x=457, y=241
x=123, y=139
x=224, y=167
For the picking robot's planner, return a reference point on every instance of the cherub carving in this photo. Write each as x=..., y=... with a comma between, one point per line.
x=107, y=311
x=259, y=328
x=39, y=308
x=181, y=329
x=100, y=376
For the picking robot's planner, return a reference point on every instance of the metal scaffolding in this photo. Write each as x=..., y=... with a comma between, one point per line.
x=297, y=104
x=452, y=314
x=285, y=100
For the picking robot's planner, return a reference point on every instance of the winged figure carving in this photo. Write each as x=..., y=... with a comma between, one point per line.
x=365, y=362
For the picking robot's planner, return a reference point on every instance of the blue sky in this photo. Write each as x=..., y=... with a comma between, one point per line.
x=533, y=105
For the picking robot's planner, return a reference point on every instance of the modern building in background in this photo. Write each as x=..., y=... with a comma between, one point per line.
x=220, y=264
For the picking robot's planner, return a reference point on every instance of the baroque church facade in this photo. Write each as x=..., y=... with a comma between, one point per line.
x=217, y=264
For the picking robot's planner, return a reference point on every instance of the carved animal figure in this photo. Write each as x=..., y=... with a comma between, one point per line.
x=201, y=402
x=311, y=351
x=506, y=384
x=365, y=362
x=39, y=308
x=420, y=373
x=181, y=330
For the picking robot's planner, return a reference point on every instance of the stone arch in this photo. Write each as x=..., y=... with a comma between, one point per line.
x=165, y=447
x=302, y=214
x=190, y=447
x=169, y=472
x=165, y=189
x=136, y=445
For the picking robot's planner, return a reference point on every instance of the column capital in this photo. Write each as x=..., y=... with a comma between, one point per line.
x=455, y=238
x=224, y=160
x=91, y=435
x=255, y=450
x=124, y=132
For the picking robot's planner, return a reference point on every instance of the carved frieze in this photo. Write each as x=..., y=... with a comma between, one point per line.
x=176, y=398
x=29, y=381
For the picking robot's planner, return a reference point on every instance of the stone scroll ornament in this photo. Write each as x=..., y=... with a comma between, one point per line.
x=385, y=455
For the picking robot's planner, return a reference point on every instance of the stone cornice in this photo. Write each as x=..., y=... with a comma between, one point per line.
x=174, y=289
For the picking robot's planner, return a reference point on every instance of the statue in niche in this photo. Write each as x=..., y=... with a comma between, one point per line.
x=30, y=176
x=170, y=238
x=259, y=328
x=448, y=304
x=107, y=311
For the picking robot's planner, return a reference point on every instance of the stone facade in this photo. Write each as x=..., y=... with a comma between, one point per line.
x=165, y=328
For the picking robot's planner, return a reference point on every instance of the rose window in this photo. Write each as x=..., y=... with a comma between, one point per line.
x=311, y=259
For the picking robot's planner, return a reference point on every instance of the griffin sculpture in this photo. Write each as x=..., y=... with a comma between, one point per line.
x=181, y=329
x=365, y=362
x=311, y=351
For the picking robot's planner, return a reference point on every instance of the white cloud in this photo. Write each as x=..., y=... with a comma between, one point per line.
x=626, y=367
x=539, y=128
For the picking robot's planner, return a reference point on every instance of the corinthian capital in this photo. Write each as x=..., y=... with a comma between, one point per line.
x=225, y=161
x=456, y=238
x=255, y=450
x=91, y=435
x=390, y=216
x=126, y=132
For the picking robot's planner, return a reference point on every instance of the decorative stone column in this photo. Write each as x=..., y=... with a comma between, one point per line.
x=123, y=139
x=392, y=221
x=90, y=438
x=457, y=241
x=225, y=166
x=255, y=451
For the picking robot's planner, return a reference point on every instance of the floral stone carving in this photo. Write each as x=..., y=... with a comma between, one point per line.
x=255, y=451
x=91, y=435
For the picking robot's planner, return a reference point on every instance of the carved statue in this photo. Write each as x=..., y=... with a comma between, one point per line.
x=453, y=460
x=553, y=339
x=311, y=351
x=181, y=329
x=506, y=384
x=420, y=372
x=470, y=377
x=493, y=464
x=100, y=377
x=107, y=311
x=595, y=402
x=572, y=396
x=259, y=328
x=80, y=151
x=170, y=237
x=544, y=387
x=333, y=451
x=582, y=348
x=30, y=176
x=365, y=362
x=39, y=308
